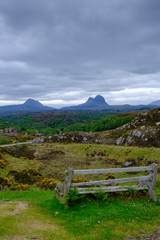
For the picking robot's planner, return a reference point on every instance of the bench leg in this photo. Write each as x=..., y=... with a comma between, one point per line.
x=152, y=195
x=151, y=192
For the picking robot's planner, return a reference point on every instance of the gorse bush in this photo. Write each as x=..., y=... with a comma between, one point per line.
x=29, y=176
x=47, y=183
x=3, y=161
x=5, y=182
x=20, y=187
x=23, y=138
x=77, y=180
x=109, y=176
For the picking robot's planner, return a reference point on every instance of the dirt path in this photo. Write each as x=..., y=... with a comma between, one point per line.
x=22, y=221
x=15, y=144
x=154, y=236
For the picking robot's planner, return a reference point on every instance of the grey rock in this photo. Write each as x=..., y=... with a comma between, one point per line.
x=120, y=141
x=85, y=139
x=136, y=133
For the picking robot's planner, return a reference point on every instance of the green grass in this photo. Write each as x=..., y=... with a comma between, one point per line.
x=87, y=220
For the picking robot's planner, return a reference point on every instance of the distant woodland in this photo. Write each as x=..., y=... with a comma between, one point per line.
x=58, y=122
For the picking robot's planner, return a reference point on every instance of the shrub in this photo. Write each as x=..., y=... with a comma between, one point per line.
x=100, y=195
x=29, y=176
x=77, y=180
x=23, y=138
x=1, y=155
x=109, y=176
x=5, y=182
x=19, y=187
x=47, y=183
x=3, y=161
x=74, y=197
x=4, y=140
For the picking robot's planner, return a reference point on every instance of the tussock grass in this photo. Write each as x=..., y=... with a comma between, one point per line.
x=78, y=156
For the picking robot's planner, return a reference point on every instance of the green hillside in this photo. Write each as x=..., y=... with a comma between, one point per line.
x=53, y=123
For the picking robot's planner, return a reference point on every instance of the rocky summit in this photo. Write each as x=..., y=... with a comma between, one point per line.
x=97, y=103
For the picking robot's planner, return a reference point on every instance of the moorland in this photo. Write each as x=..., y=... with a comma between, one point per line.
x=29, y=173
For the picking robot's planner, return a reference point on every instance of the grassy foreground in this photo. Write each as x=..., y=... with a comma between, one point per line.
x=37, y=214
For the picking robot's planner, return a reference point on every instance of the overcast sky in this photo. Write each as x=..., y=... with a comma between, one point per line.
x=60, y=52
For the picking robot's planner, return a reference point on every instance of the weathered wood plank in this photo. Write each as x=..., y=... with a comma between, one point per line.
x=151, y=191
x=146, y=182
x=59, y=191
x=109, y=189
x=111, y=170
x=111, y=181
x=67, y=182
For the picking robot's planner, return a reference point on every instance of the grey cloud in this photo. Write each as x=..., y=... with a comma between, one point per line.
x=83, y=47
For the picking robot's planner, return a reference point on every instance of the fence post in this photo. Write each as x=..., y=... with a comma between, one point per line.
x=151, y=191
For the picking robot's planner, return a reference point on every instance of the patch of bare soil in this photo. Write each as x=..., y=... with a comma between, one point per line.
x=19, y=207
x=153, y=236
x=13, y=208
x=28, y=224
x=37, y=225
x=24, y=238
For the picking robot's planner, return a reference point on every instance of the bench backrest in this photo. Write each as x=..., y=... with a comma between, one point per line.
x=146, y=182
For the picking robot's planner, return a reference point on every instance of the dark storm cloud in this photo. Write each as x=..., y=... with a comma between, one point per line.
x=69, y=49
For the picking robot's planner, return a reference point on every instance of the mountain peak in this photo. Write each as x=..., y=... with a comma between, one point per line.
x=100, y=100
x=94, y=103
x=89, y=99
x=32, y=103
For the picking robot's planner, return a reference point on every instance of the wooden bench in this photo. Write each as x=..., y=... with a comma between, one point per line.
x=142, y=182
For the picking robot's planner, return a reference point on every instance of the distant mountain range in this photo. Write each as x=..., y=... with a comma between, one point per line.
x=98, y=104
x=92, y=104
x=30, y=106
x=156, y=103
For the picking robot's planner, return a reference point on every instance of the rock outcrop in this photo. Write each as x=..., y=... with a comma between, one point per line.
x=144, y=130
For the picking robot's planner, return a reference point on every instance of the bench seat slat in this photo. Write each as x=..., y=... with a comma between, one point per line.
x=109, y=189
